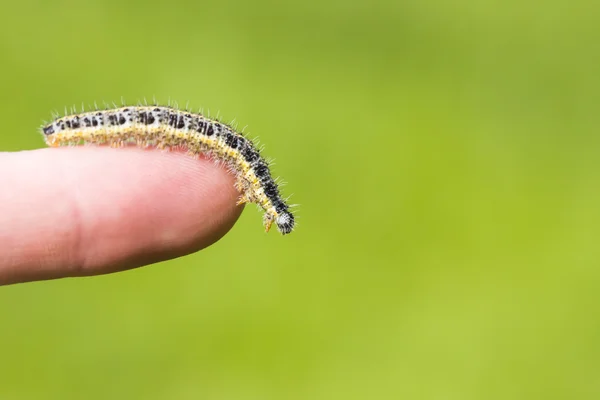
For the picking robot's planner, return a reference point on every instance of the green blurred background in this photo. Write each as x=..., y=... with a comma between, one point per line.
x=445, y=159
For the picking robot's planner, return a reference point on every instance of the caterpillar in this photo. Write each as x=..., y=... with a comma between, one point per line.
x=166, y=127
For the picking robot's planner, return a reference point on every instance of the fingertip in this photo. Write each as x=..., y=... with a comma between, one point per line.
x=103, y=210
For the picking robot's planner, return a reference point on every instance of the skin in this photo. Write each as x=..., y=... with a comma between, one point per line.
x=81, y=211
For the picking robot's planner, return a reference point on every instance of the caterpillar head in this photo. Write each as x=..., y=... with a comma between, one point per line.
x=284, y=221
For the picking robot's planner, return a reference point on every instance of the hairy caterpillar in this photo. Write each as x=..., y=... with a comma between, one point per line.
x=170, y=128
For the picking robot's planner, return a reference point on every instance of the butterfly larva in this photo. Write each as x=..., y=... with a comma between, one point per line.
x=167, y=128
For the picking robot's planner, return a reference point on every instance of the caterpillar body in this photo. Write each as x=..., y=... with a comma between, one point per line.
x=170, y=128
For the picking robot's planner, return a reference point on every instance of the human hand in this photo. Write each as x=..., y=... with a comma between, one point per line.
x=80, y=211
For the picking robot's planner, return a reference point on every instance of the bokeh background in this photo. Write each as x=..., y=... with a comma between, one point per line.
x=445, y=156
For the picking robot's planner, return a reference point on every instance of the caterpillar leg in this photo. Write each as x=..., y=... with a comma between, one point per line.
x=267, y=221
x=240, y=185
x=242, y=200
